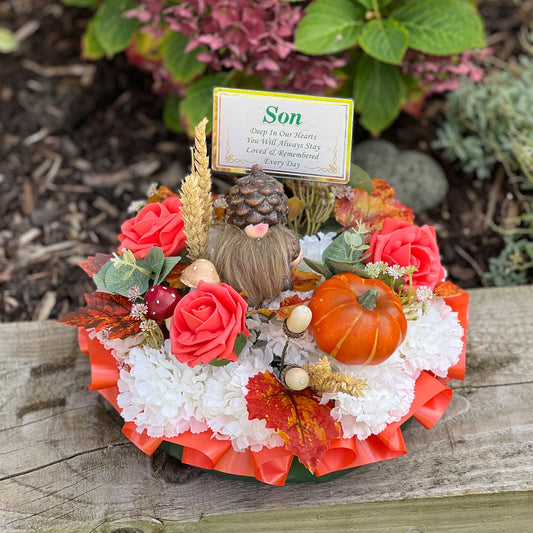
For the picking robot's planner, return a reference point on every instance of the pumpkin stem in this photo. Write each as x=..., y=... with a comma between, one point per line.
x=368, y=299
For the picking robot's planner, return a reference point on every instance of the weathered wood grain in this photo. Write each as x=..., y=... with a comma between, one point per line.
x=65, y=466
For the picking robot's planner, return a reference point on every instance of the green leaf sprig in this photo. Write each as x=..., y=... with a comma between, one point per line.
x=121, y=273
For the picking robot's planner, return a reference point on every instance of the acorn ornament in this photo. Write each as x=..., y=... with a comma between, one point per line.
x=294, y=377
x=161, y=302
x=297, y=322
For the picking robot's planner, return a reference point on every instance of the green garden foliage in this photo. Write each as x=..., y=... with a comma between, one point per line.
x=491, y=121
x=353, y=48
x=488, y=123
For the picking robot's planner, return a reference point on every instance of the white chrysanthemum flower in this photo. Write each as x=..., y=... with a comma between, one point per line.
x=166, y=397
x=388, y=397
x=160, y=394
x=433, y=342
x=119, y=347
x=313, y=246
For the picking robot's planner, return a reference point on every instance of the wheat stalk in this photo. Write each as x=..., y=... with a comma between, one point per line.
x=323, y=379
x=193, y=218
x=196, y=198
x=200, y=165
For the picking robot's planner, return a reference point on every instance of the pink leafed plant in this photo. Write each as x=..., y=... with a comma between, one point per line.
x=252, y=37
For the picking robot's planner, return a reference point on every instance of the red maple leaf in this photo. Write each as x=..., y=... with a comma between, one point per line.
x=371, y=209
x=104, y=310
x=306, y=426
x=94, y=263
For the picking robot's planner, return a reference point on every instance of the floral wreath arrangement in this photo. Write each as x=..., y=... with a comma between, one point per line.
x=214, y=345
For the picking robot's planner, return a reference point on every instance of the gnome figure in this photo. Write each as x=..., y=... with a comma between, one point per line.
x=256, y=250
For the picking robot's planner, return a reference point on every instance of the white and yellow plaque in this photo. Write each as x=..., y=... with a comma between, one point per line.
x=294, y=136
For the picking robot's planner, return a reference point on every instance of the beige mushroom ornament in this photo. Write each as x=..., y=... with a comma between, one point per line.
x=199, y=270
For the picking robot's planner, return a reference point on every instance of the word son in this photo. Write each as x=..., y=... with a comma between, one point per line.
x=271, y=116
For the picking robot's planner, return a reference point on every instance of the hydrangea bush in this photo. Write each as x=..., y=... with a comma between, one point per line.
x=352, y=47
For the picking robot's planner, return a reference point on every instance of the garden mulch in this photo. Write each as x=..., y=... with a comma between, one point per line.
x=79, y=141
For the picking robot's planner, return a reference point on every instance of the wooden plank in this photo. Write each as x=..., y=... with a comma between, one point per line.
x=65, y=466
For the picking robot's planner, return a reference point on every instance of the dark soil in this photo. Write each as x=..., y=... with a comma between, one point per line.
x=80, y=141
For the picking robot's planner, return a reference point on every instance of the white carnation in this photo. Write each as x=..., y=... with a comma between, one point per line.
x=433, y=342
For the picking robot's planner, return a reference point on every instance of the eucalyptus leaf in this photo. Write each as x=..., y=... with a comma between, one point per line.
x=154, y=261
x=348, y=248
x=338, y=267
x=169, y=264
x=99, y=278
x=120, y=278
x=219, y=362
x=318, y=267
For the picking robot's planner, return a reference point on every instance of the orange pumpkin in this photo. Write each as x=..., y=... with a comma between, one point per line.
x=357, y=321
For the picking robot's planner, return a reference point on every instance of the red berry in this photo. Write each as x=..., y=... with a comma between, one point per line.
x=161, y=302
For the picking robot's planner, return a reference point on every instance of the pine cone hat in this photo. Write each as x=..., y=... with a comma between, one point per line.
x=257, y=199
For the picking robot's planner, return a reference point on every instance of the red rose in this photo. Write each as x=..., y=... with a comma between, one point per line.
x=157, y=224
x=206, y=323
x=401, y=243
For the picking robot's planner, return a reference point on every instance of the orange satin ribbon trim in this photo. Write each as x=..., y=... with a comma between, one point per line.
x=147, y=444
x=457, y=299
x=104, y=369
x=272, y=465
x=83, y=338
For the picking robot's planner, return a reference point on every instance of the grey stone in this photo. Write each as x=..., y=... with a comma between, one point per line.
x=376, y=156
x=419, y=181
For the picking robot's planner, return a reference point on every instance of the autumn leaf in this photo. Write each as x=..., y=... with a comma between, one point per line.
x=288, y=304
x=105, y=310
x=371, y=209
x=173, y=278
x=447, y=289
x=304, y=281
x=296, y=206
x=160, y=195
x=284, y=310
x=306, y=426
x=94, y=263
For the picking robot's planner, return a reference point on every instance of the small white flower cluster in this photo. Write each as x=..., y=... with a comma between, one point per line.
x=375, y=270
